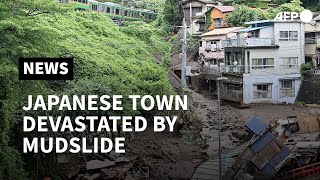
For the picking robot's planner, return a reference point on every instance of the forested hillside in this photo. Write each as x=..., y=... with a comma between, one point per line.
x=108, y=60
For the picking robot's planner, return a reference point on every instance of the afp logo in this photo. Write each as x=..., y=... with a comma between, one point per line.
x=46, y=69
x=305, y=16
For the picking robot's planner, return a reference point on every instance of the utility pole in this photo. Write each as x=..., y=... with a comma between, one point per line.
x=219, y=125
x=122, y=12
x=184, y=54
x=221, y=78
x=191, y=15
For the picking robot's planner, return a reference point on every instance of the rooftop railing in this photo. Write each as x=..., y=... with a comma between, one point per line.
x=249, y=42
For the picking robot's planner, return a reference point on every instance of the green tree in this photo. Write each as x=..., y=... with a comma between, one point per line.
x=172, y=13
x=244, y=14
x=247, y=2
x=293, y=6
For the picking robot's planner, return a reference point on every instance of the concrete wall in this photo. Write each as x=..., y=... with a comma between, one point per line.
x=309, y=93
x=266, y=32
x=277, y=54
x=250, y=81
x=291, y=48
x=310, y=49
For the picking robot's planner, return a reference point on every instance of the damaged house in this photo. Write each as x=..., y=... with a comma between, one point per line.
x=263, y=63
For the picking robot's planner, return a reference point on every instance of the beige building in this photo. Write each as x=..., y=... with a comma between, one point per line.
x=211, y=48
x=312, y=42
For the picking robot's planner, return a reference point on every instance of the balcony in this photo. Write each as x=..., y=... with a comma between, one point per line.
x=212, y=70
x=212, y=49
x=199, y=14
x=249, y=42
x=239, y=69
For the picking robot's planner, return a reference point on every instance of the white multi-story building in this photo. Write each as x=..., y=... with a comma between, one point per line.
x=263, y=63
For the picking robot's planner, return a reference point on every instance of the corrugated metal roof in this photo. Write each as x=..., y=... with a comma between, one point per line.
x=262, y=141
x=252, y=29
x=256, y=125
x=221, y=31
x=225, y=8
x=210, y=169
x=316, y=18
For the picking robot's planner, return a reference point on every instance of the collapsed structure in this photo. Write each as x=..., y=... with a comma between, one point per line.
x=285, y=149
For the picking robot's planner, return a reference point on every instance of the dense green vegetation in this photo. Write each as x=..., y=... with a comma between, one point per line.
x=108, y=60
x=244, y=13
x=172, y=14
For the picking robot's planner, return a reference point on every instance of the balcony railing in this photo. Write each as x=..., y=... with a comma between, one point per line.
x=249, y=42
x=314, y=72
x=310, y=40
x=212, y=70
x=235, y=68
x=233, y=94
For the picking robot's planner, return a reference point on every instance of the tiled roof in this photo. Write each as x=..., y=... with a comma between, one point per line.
x=221, y=31
x=225, y=8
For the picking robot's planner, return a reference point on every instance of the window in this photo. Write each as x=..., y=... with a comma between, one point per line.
x=108, y=10
x=255, y=34
x=201, y=27
x=94, y=7
x=310, y=38
x=213, y=45
x=196, y=10
x=287, y=88
x=117, y=11
x=262, y=63
x=290, y=62
x=82, y=1
x=288, y=36
x=217, y=23
x=262, y=91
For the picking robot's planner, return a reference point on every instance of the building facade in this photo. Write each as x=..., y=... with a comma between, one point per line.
x=194, y=13
x=211, y=48
x=217, y=16
x=263, y=63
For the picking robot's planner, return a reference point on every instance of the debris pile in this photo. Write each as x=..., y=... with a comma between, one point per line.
x=262, y=157
x=285, y=149
x=103, y=166
x=302, y=135
x=231, y=127
x=148, y=156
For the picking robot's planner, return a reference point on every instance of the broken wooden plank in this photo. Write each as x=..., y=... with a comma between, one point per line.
x=97, y=164
x=171, y=159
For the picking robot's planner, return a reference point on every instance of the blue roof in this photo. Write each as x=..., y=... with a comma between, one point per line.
x=251, y=29
x=256, y=125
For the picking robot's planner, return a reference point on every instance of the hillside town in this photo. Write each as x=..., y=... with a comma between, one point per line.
x=267, y=61
x=248, y=72
x=262, y=62
x=266, y=73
